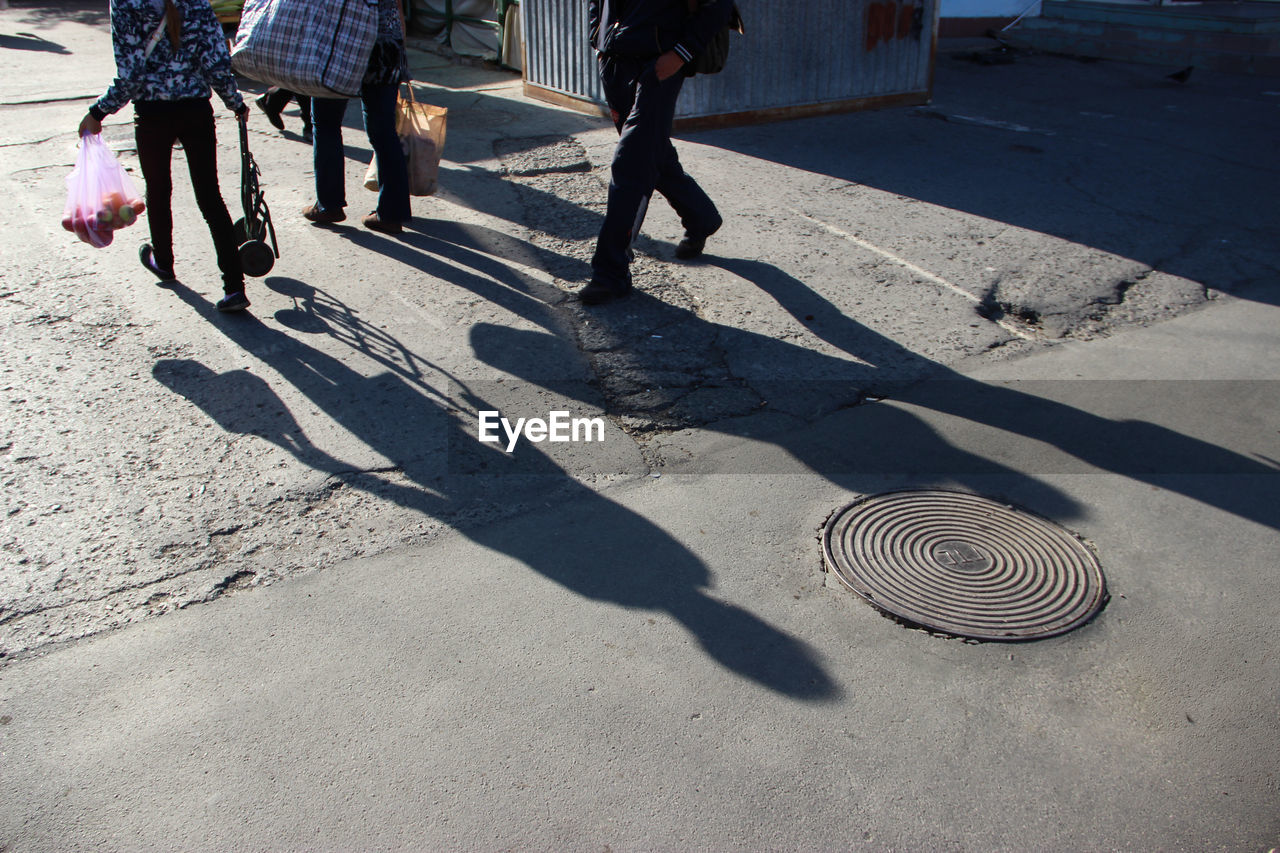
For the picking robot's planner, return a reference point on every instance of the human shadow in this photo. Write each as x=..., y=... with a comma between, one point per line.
x=52, y=12
x=531, y=206
x=1176, y=177
x=892, y=439
x=818, y=385
x=30, y=41
x=1136, y=449
x=600, y=549
x=496, y=267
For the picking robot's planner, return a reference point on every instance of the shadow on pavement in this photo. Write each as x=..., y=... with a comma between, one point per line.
x=1107, y=155
x=894, y=441
x=48, y=12
x=28, y=41
x=602, y=551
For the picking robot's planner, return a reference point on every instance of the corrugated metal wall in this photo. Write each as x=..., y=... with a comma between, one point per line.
x=556, y=53
x=795, y=54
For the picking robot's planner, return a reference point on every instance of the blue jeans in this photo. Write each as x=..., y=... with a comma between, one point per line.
x=644, y=160
x=379, y=108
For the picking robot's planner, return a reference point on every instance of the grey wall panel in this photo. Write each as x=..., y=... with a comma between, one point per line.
x=795, y=54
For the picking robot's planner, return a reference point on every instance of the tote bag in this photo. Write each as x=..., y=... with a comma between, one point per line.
x=318, y=48
x=421, y=128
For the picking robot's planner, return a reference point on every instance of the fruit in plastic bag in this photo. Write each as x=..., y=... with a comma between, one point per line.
x=100, y=194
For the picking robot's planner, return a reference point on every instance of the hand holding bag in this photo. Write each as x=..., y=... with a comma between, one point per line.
x=318, y=48
x=100, y=195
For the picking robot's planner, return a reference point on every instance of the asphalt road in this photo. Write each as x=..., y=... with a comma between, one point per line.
x=926, y=296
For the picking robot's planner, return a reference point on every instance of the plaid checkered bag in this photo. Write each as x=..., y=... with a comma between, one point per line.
x=319, y=48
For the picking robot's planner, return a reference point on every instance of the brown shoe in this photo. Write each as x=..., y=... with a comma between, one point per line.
x=373, y=223
x=318, y=214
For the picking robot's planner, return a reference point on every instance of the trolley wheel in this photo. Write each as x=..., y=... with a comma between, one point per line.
x=256, y=258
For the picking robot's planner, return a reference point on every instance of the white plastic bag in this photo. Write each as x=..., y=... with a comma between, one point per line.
x=101, y=196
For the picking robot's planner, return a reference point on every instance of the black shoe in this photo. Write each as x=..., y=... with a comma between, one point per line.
x=148, y=257
x=306, y=135
x=690, y=247
x=598, y=292
x=693, y=244
x=233, y=302
x=273, y=116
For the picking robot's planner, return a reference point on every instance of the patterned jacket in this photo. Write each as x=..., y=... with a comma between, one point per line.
x=201, y=60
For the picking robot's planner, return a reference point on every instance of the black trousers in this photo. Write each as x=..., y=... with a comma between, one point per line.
x=643, y=110
x=277, y=99
x=157, y=126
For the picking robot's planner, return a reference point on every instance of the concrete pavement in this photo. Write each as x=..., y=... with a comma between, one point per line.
x=647, y=653
x=664, y=665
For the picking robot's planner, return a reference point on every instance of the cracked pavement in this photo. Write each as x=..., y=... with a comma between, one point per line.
x=356, y=626
x=154, y=455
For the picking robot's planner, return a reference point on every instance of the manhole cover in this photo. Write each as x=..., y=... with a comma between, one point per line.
x=964, y=565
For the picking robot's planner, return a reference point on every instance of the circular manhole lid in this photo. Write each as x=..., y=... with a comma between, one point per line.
x=964, y=565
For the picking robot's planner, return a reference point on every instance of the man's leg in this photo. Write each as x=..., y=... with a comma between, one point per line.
x=272, y=102
x=304, y=107
x=646, y=108
x=328, y=160
x=695, y=208
x=379, y=102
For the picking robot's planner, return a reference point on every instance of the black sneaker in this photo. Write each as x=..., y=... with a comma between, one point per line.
x=598, y=292
x=148, y=257
x=233, y=302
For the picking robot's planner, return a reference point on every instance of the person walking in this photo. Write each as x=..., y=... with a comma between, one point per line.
x=388, y=68
x=642, y=47
x=170, y=56
x=273, y=101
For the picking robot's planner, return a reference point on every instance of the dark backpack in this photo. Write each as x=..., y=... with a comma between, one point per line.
x=712, y=60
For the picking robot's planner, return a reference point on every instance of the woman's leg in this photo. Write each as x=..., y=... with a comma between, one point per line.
x=327, y=155
x=155, y=137
x=304, y=107
x=195, y=129
x=379, y=102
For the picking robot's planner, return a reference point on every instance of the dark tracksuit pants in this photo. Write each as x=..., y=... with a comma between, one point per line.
x=644, y=160
x=157, y=126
